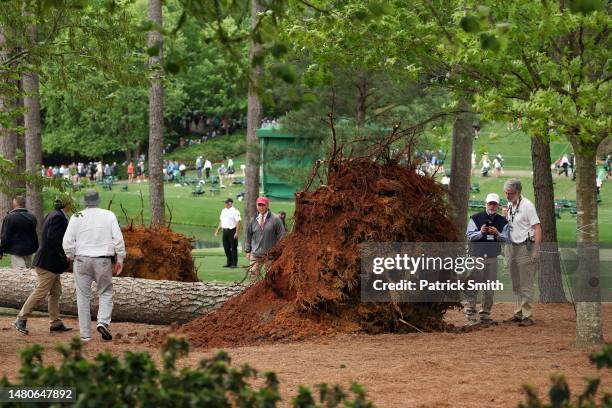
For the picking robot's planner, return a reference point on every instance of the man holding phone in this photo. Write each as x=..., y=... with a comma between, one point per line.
x=486, y=231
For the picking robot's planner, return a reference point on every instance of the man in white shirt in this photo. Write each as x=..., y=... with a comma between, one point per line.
x=523, y=254
x=230, y=223
x=92, y=239
x=207, y=168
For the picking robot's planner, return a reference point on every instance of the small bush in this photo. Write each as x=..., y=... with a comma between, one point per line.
x=136, y=381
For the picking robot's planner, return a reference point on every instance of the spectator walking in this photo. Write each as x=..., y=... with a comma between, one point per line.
x=485, y=164
x=263, y=232
x=230, y=224
x=199, y=166
x=93, y=238
x=50, y=262
x=18, y=235
x=222, y=171
x=564, y=165
x=130, y=172
x=207, y=168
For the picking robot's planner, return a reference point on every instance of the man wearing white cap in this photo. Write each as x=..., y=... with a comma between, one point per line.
x=486, y=231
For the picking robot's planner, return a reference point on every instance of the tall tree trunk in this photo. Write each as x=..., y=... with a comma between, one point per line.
x=134, y=300
x=254, y=111
x=156, y=122
x=550, y=280
x=20, y=163
x=33, y=142
x=461, y=166
x=8, y=139
x=362, y=106
x=589, y=330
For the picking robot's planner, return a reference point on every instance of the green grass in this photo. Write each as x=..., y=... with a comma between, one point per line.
x=209, y=263
x=514, y=146
x=186, y=209
x=215, y=149
x=564, y=188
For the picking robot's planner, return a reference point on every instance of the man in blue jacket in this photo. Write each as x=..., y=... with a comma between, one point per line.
x=50, y=262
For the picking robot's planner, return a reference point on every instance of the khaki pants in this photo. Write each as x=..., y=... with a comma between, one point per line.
x=522, y=272
x=489, y=273
x=21, y=261
x=254, y=269
x=86, y=271
x=47, y=283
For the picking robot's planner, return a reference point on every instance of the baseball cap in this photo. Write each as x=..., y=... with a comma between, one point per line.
x=229, y=200
x=492, y=197
x=263, y=200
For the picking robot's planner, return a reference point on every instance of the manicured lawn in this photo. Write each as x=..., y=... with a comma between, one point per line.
x=564, y=188
x=186, y=209
x=209, y=263
x=514, y=146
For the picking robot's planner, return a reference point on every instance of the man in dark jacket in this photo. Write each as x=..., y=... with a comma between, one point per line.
x=485, y=232
x=263, y=232
x=50, y=262
x=18, y=237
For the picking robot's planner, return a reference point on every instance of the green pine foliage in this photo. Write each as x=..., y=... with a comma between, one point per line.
x=136, y=381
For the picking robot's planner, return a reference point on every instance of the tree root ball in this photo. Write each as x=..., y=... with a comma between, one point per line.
x=159, y=254
x=312, y=285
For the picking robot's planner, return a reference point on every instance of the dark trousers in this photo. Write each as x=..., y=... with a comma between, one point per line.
x=207, y=172
x=230, y=245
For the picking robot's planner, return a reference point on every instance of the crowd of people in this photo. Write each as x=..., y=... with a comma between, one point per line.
x=76, y=172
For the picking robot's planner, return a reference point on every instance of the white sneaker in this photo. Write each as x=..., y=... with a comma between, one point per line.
x=85, y=339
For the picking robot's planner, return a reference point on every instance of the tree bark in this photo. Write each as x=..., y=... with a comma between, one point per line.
x=362, y=103
x=8, y=140
x=20, y=162
x=550, y=280
x=461, y=167
x=589, y=330
x=134, y=300
x=254, y=111
x=156, y=122
x=33, y=141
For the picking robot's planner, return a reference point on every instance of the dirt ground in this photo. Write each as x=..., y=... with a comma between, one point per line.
x=483, y=368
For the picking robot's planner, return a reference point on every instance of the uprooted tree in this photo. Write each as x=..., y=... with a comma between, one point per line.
x=312, y=284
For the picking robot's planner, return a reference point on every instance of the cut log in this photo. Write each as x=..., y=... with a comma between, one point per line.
x=134, y=300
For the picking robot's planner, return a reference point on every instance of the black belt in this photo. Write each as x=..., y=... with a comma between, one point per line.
x=229, y=229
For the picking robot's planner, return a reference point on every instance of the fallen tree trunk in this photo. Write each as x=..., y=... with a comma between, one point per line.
x=134, y=300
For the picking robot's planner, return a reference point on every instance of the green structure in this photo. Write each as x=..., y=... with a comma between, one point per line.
x=279, y=153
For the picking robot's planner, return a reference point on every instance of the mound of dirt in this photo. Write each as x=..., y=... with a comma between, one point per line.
x=312, y=285
x=159, y=254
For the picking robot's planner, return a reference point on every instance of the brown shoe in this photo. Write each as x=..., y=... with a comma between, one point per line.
x=526, y=322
